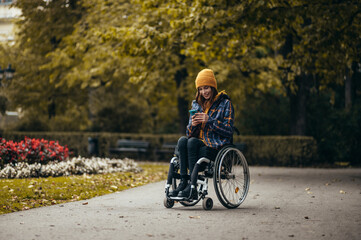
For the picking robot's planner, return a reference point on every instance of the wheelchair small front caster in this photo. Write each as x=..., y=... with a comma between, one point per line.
x=168, y=203
x=207, y=203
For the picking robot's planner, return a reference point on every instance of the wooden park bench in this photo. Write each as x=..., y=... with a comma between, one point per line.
x=166, y=151
x=131, y=147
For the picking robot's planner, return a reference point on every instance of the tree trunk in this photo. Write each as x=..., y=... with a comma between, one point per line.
x=348, y=89
x=51, y=108
x=182, y=102
x=287, y=47
x=298, y=103
x=91, y=106
x=298, y=99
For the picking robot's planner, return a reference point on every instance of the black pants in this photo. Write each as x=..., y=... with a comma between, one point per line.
x=190, y=151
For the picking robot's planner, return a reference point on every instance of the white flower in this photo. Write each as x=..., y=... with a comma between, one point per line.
x=76, y=165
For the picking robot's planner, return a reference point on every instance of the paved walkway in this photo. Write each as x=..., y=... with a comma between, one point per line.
x=283, y=203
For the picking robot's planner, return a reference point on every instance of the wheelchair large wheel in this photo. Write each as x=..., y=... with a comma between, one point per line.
x=175, y=182
x=231, y=177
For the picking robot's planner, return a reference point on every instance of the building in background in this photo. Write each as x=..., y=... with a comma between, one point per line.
x=8, y=15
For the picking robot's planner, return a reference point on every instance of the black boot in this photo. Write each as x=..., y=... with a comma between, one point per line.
x=189, y=192
x=181, y=186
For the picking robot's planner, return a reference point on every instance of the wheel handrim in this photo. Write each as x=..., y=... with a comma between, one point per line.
x=233, y=177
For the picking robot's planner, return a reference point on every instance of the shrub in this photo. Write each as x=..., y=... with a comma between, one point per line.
x=261, y=150
x=31, y=151
x=74, y=166
x=280, y=150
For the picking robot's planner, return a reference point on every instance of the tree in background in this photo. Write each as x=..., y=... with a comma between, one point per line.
x=167, y=43
x=35, y=90
x=294, y=47
x=93, y=63
x=157, y=62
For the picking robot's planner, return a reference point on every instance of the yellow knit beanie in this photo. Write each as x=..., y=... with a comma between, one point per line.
x=206, y=78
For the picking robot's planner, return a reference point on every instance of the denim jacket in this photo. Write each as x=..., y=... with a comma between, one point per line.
x=218, y=130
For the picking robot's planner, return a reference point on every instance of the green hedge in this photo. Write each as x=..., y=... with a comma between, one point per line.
x=261, y=150
x=280, y=150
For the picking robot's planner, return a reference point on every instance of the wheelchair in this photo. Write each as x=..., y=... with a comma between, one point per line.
x=231, y=179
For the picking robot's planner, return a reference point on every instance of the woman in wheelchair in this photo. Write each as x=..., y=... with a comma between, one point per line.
x=208, y=130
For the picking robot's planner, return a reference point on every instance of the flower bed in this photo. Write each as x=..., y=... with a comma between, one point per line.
x=42, y=158
x=31, y=151
x=75, y=166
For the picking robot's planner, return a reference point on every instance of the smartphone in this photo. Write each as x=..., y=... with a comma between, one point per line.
x=192, y=112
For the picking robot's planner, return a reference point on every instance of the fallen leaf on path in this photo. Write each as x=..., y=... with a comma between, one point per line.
x=342, y=192
x=195, y=217
x=308, y=189
x=307, y=217
x=277, y=207
x=85, y=203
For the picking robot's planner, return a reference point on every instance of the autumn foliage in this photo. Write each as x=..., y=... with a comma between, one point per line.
x=31, y=151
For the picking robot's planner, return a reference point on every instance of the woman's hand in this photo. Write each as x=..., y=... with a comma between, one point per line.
x=199, y=118
x=194, y=121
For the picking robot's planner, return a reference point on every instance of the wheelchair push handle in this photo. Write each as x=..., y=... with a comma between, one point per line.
x=237, y=131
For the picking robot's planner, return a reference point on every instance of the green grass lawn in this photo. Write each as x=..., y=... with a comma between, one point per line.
x=24, y=194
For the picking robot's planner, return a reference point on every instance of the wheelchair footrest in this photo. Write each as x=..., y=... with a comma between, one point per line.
x=184, y=199
x=179, y=198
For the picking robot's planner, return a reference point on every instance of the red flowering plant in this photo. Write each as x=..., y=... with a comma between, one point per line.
x=31, y=151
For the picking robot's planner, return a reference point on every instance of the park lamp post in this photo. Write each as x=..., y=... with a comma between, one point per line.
x=6, y=76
